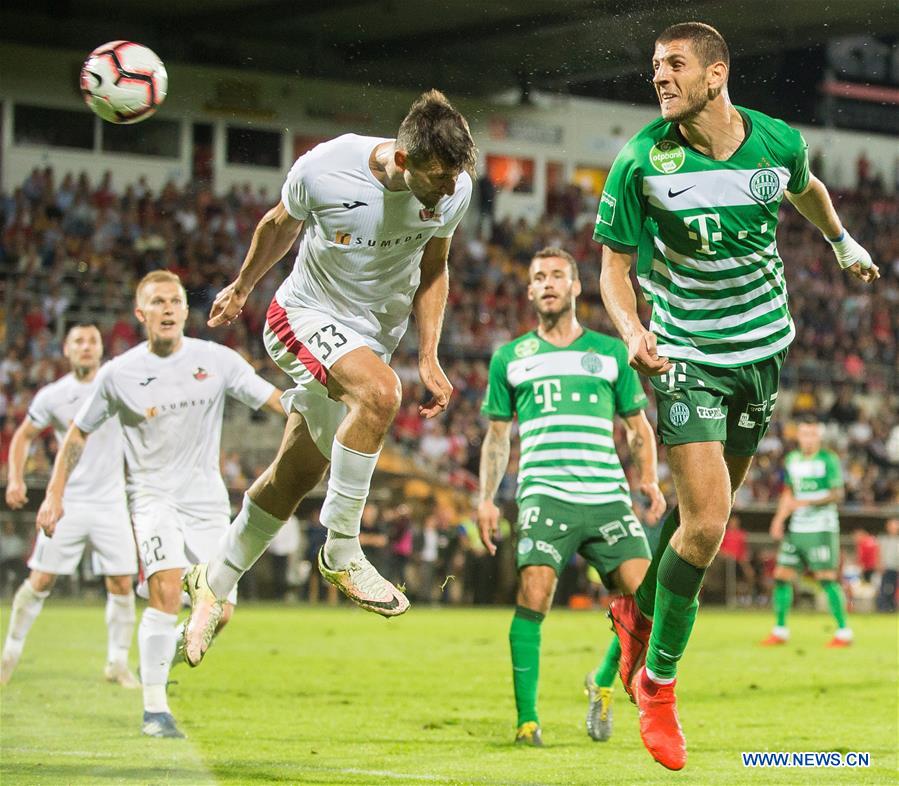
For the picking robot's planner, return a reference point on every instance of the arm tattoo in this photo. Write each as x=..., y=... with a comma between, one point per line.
x=71, y=455
x=494, y=461
x=636, y=443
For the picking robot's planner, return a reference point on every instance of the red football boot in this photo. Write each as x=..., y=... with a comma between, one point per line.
x=633, y=631
x=660, y=728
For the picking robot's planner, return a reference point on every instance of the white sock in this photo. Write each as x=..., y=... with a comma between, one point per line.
x=26, y=605
x=348, y=487
x=658, y=680
x=245, y=541
x=156, y=639
x=781, y=632
x=844, y=634
x=120, y=625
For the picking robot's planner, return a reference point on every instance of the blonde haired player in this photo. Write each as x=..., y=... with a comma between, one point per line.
x=377, y=217
x=168, y=393
x=96, y=512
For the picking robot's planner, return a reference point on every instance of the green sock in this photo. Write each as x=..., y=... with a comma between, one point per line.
x=605, y=674
x=675, y=612
x=524, y=640
x=646, y=592
x=782, y=601
x=836, y=600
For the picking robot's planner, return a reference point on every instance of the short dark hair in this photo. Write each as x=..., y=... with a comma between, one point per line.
x=433, y=129
x=706, y=41
x=80, y=324
x=549, y=252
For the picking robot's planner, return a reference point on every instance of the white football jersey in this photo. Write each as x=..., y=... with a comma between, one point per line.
x=99, y=477
x=171, y=411
x=362, y=244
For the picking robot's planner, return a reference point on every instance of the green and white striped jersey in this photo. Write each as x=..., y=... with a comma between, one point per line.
x=704, y=235
x=565, y=399
x=812, y=478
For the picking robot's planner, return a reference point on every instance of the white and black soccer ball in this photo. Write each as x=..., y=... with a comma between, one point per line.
x=123, y=82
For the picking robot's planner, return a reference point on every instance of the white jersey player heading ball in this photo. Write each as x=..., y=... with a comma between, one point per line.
x=96, y=512
x=377, y=217
x=168, y=394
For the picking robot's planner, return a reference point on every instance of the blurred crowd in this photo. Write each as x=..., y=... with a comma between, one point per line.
x=73, y=248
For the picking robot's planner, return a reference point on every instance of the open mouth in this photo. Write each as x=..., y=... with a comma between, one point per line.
x=167, y=323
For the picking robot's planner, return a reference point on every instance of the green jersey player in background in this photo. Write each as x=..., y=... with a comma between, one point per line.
x=813, y=486
x=566, y=384
x=694, y=196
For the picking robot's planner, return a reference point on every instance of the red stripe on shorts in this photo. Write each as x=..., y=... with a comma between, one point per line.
x=280, y=325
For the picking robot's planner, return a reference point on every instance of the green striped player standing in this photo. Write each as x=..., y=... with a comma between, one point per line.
x=566, y=385
x=694, y=196
x=813, y=485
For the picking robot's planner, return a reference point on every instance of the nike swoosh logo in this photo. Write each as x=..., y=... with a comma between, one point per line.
x=382, y=604
x=146, y=382
x=353, y=205
x=531, y=368
x=672, y=194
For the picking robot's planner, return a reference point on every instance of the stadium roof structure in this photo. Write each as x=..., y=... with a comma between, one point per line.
x=598, y=48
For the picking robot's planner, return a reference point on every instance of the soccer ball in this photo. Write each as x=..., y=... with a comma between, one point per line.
x=123, y=82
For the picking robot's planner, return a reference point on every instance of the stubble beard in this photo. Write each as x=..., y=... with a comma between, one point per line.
x=697, y=99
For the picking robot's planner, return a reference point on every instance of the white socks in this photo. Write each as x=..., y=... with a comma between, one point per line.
x=348, y=487
x=156, y=638
x=659, y=680
x=120, y=624
x=26, y=605
x=246, y=540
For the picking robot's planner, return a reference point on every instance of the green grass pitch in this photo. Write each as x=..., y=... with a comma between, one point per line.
x=299, y=695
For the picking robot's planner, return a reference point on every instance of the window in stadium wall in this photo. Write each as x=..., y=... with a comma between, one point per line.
x=155, y=137
x=510, y=173
x=257, y=148
x=43, y=125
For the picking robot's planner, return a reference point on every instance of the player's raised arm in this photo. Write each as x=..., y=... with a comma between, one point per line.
x=428, y=307
x=815, y=204
x=275, y=233
x=16, y=490
x=494, y=461
x=67, y=459
x=642, y=443
x=620, y=301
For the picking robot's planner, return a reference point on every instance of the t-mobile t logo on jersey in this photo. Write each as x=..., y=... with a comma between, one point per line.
x=707, y=235
x=547, y=391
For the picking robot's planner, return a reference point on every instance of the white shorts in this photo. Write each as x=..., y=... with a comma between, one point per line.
x=305, y=344
x=107, y=528
x=167, y=538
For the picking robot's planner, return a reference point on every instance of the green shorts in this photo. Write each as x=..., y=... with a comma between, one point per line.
x=550, y=531
x=813, y=550
x=702, y=403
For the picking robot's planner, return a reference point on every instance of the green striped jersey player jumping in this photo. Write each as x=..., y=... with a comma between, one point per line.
x=566, y=385
x=694, y=196
x=813, y=486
